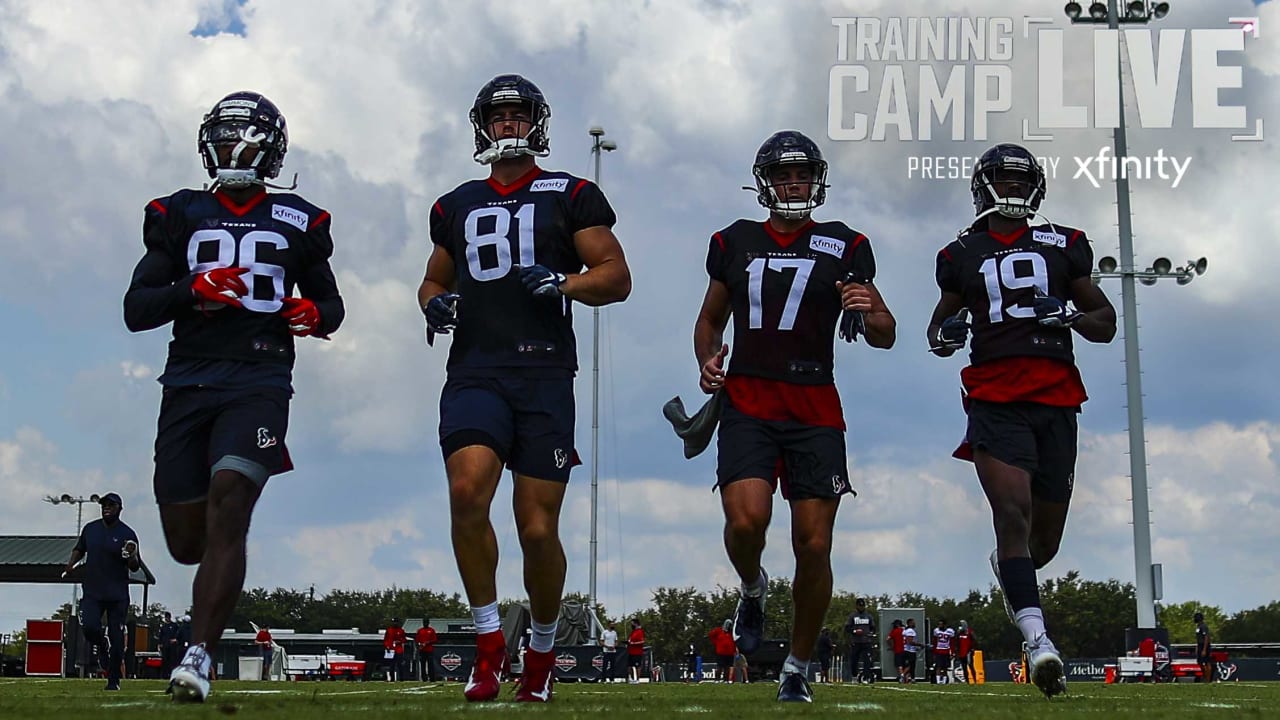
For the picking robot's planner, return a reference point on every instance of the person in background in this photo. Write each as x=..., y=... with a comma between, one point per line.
x=826, y=646
x=911, y=648
x=965, y=644
x=1203, y=645
x=635, y=651
x=898, y=645
x=110, y=551
x=861, y=630
x=425, y=640
x=167, y=645
x=263, y=641
x=393, y=641
x=609, y=652
x=725, y=649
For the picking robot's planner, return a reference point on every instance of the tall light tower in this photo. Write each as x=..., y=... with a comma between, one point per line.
x=1142, y=12
x=599, y=146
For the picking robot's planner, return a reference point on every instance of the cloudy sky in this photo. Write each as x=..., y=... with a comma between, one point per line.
x=99, y=105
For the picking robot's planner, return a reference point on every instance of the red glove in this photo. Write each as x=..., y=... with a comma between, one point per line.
x=221, y=286
x=302, y=315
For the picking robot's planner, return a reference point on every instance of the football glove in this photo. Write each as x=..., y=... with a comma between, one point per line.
x=953, y=333
x=302, y=315
x=541, y=280
x=852, y=322
x=219, y=286
x=1052, y=312
x=441, y=312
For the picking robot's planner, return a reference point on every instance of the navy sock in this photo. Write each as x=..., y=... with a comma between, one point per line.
x=1018, y=576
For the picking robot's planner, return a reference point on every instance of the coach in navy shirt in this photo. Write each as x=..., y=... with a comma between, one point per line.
x=110, y=552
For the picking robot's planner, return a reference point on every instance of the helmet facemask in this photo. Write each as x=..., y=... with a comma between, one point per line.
x=1016, y=205
x=238, y=125
x=772, y=195
x=534, y=142
x=233, y=171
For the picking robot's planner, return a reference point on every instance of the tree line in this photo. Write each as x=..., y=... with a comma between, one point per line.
x=1087, y=617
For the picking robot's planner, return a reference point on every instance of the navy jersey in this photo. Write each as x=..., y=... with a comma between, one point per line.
x=997, y=276
x=281, y=239
x=489, y=229
x=783, y=296
x=105, y=572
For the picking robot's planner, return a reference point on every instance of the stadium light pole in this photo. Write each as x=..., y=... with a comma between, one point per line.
x=599, y=146
x=1144, y=572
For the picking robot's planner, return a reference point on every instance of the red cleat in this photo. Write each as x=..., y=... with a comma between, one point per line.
x=538, y=677
x=491, y=653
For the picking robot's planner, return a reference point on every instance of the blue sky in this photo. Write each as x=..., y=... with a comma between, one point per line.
x=99, y=114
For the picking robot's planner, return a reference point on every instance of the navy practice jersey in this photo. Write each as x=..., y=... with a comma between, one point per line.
x=489, y=229
x=783, y=296
x=997, y=276
x=281, y=239
x=105, y=572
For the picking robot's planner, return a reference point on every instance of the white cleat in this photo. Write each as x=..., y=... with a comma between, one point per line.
x=1047, y=672
x=189, y=682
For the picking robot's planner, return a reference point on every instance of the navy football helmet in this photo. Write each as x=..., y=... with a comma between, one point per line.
x=1009, y=159
x=508, y=89
x=244, y=120
x=789, y=147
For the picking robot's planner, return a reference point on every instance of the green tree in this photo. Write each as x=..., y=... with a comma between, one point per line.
x=1261, y=624
x=1087, y=618
x=1177, y=619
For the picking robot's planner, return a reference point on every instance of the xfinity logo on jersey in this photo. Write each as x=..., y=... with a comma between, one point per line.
x=1049, y=238
x=553, y=185
x=828, y=245
x=286, y=214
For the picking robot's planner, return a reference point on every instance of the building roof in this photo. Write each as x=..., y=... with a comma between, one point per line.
x=41, y=559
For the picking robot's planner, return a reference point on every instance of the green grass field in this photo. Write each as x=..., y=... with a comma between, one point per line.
x=56, y=699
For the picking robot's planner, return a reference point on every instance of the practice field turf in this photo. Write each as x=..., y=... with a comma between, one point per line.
x=55, y=699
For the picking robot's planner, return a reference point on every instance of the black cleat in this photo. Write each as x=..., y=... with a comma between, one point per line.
x=794, y=688
x=112, y=685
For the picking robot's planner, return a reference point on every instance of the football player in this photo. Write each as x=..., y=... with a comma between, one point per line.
x=222, y=266
x=1013, y=284
x=511, y=253
x=786, y=282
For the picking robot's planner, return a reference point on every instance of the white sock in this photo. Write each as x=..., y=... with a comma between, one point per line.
x=755, y=589
x=1031, y=622
x=795, y=665
x=486, y=618
x=544, y=636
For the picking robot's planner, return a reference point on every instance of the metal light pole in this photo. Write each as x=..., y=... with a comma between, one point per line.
x=1144, y=575
x=598, y=146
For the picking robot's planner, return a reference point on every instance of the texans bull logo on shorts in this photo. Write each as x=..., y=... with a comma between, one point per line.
x=265, y=438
